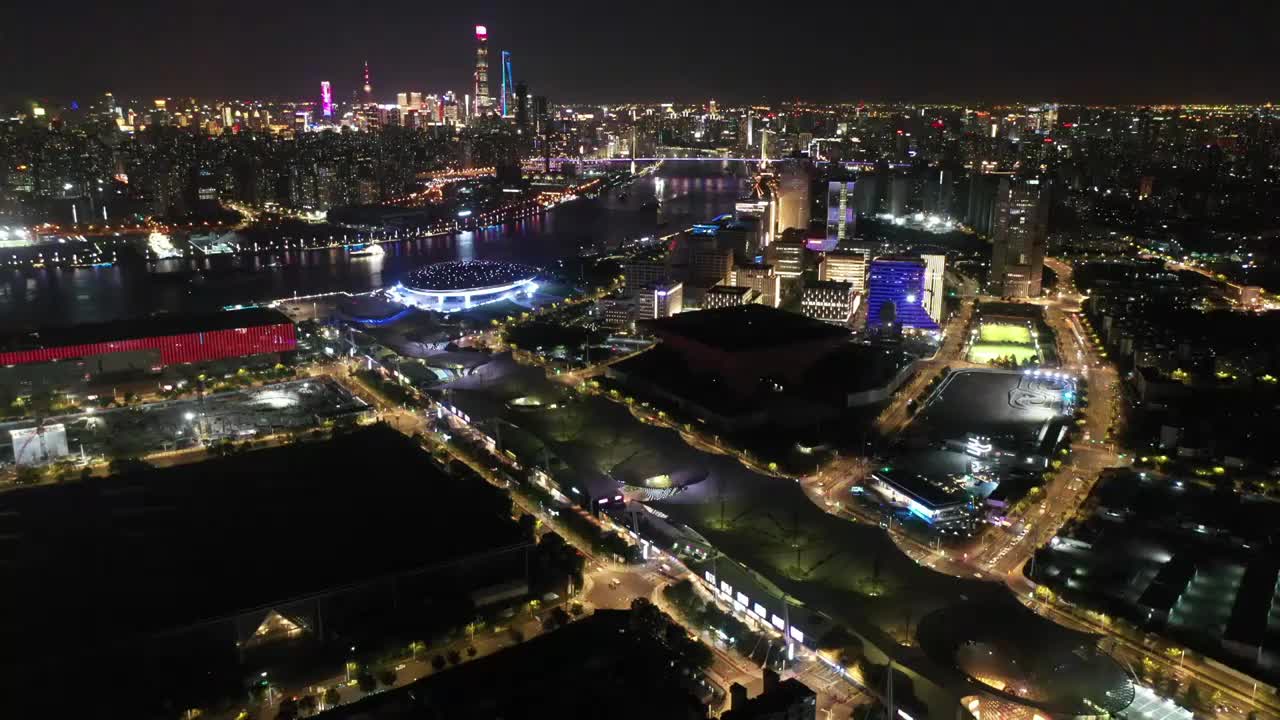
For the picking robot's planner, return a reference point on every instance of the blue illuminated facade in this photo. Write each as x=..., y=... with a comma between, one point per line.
x=899, y=281
x=508, y=82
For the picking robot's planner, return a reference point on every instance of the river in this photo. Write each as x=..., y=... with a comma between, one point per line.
x=56, y=297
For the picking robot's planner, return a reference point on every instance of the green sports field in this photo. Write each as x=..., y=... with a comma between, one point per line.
x=1004, y=333
x=986, y=352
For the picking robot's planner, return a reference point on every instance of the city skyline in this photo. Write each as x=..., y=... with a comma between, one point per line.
x=1113, y=54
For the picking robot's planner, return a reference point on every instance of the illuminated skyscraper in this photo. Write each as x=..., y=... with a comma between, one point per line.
x=368, y=84
x=326, y=99
x=793, y=196
x=934, y=273
x=1018, y=238
x=482, y=70
x=840, y=214
x=507, y=84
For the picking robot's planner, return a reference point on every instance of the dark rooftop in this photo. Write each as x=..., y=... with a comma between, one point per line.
x=152, y=550
x=747, y=327
x=592, y=668
x=158, y=325
x=728, y=290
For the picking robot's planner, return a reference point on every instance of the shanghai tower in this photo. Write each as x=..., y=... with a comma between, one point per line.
x=482, y=69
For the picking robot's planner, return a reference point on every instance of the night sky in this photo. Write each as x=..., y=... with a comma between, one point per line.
x=656, y=50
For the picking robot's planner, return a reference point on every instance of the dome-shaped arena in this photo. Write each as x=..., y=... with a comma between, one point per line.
x=461, y=284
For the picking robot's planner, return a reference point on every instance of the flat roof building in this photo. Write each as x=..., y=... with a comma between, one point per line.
x=845, y=266
x=761, y=278
x=930, y=500
x=833, y=302
x=154, y=342
x=723, y=296
x=660, y=300
x=896, y=294
x=744, y=344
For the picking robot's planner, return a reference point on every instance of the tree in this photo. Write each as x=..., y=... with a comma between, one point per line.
x=366, y=682
x=332, y=697
x=288, y=709
x=528, y=526
x=454, y=657
x=471, y=651
x=387, y=677
x=576, y=609
x=1195, y=699
x=122, y=465
x=696, y=654
x=418, y=649
x=560, y=616
x=28, y=475
x=438, y=662
x=308, y=704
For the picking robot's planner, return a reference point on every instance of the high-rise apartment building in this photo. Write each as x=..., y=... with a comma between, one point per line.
x=840, y=214
x=1018, y=237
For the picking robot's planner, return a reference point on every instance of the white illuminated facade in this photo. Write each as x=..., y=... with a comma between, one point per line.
x=660, y=300
x=934, y=271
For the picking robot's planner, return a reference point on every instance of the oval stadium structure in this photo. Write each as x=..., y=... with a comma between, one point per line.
x=463, y=284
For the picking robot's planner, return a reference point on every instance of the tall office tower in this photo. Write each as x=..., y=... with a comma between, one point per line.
x=482, y=70
x=522, y=107
x=507, y=82
x=787, y=255
x=709, y=264
x=793, y=196
x=326, y=99
x=934, y=270
x=896, y=292
x=402, y=100
x=1019, y=237
x=844, y=266
x=841, y=214
x=980, y=215
x=761, y=278
x=368, y=85
x=639, y=274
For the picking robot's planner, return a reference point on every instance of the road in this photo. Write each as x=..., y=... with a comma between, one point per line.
x=897, y=415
